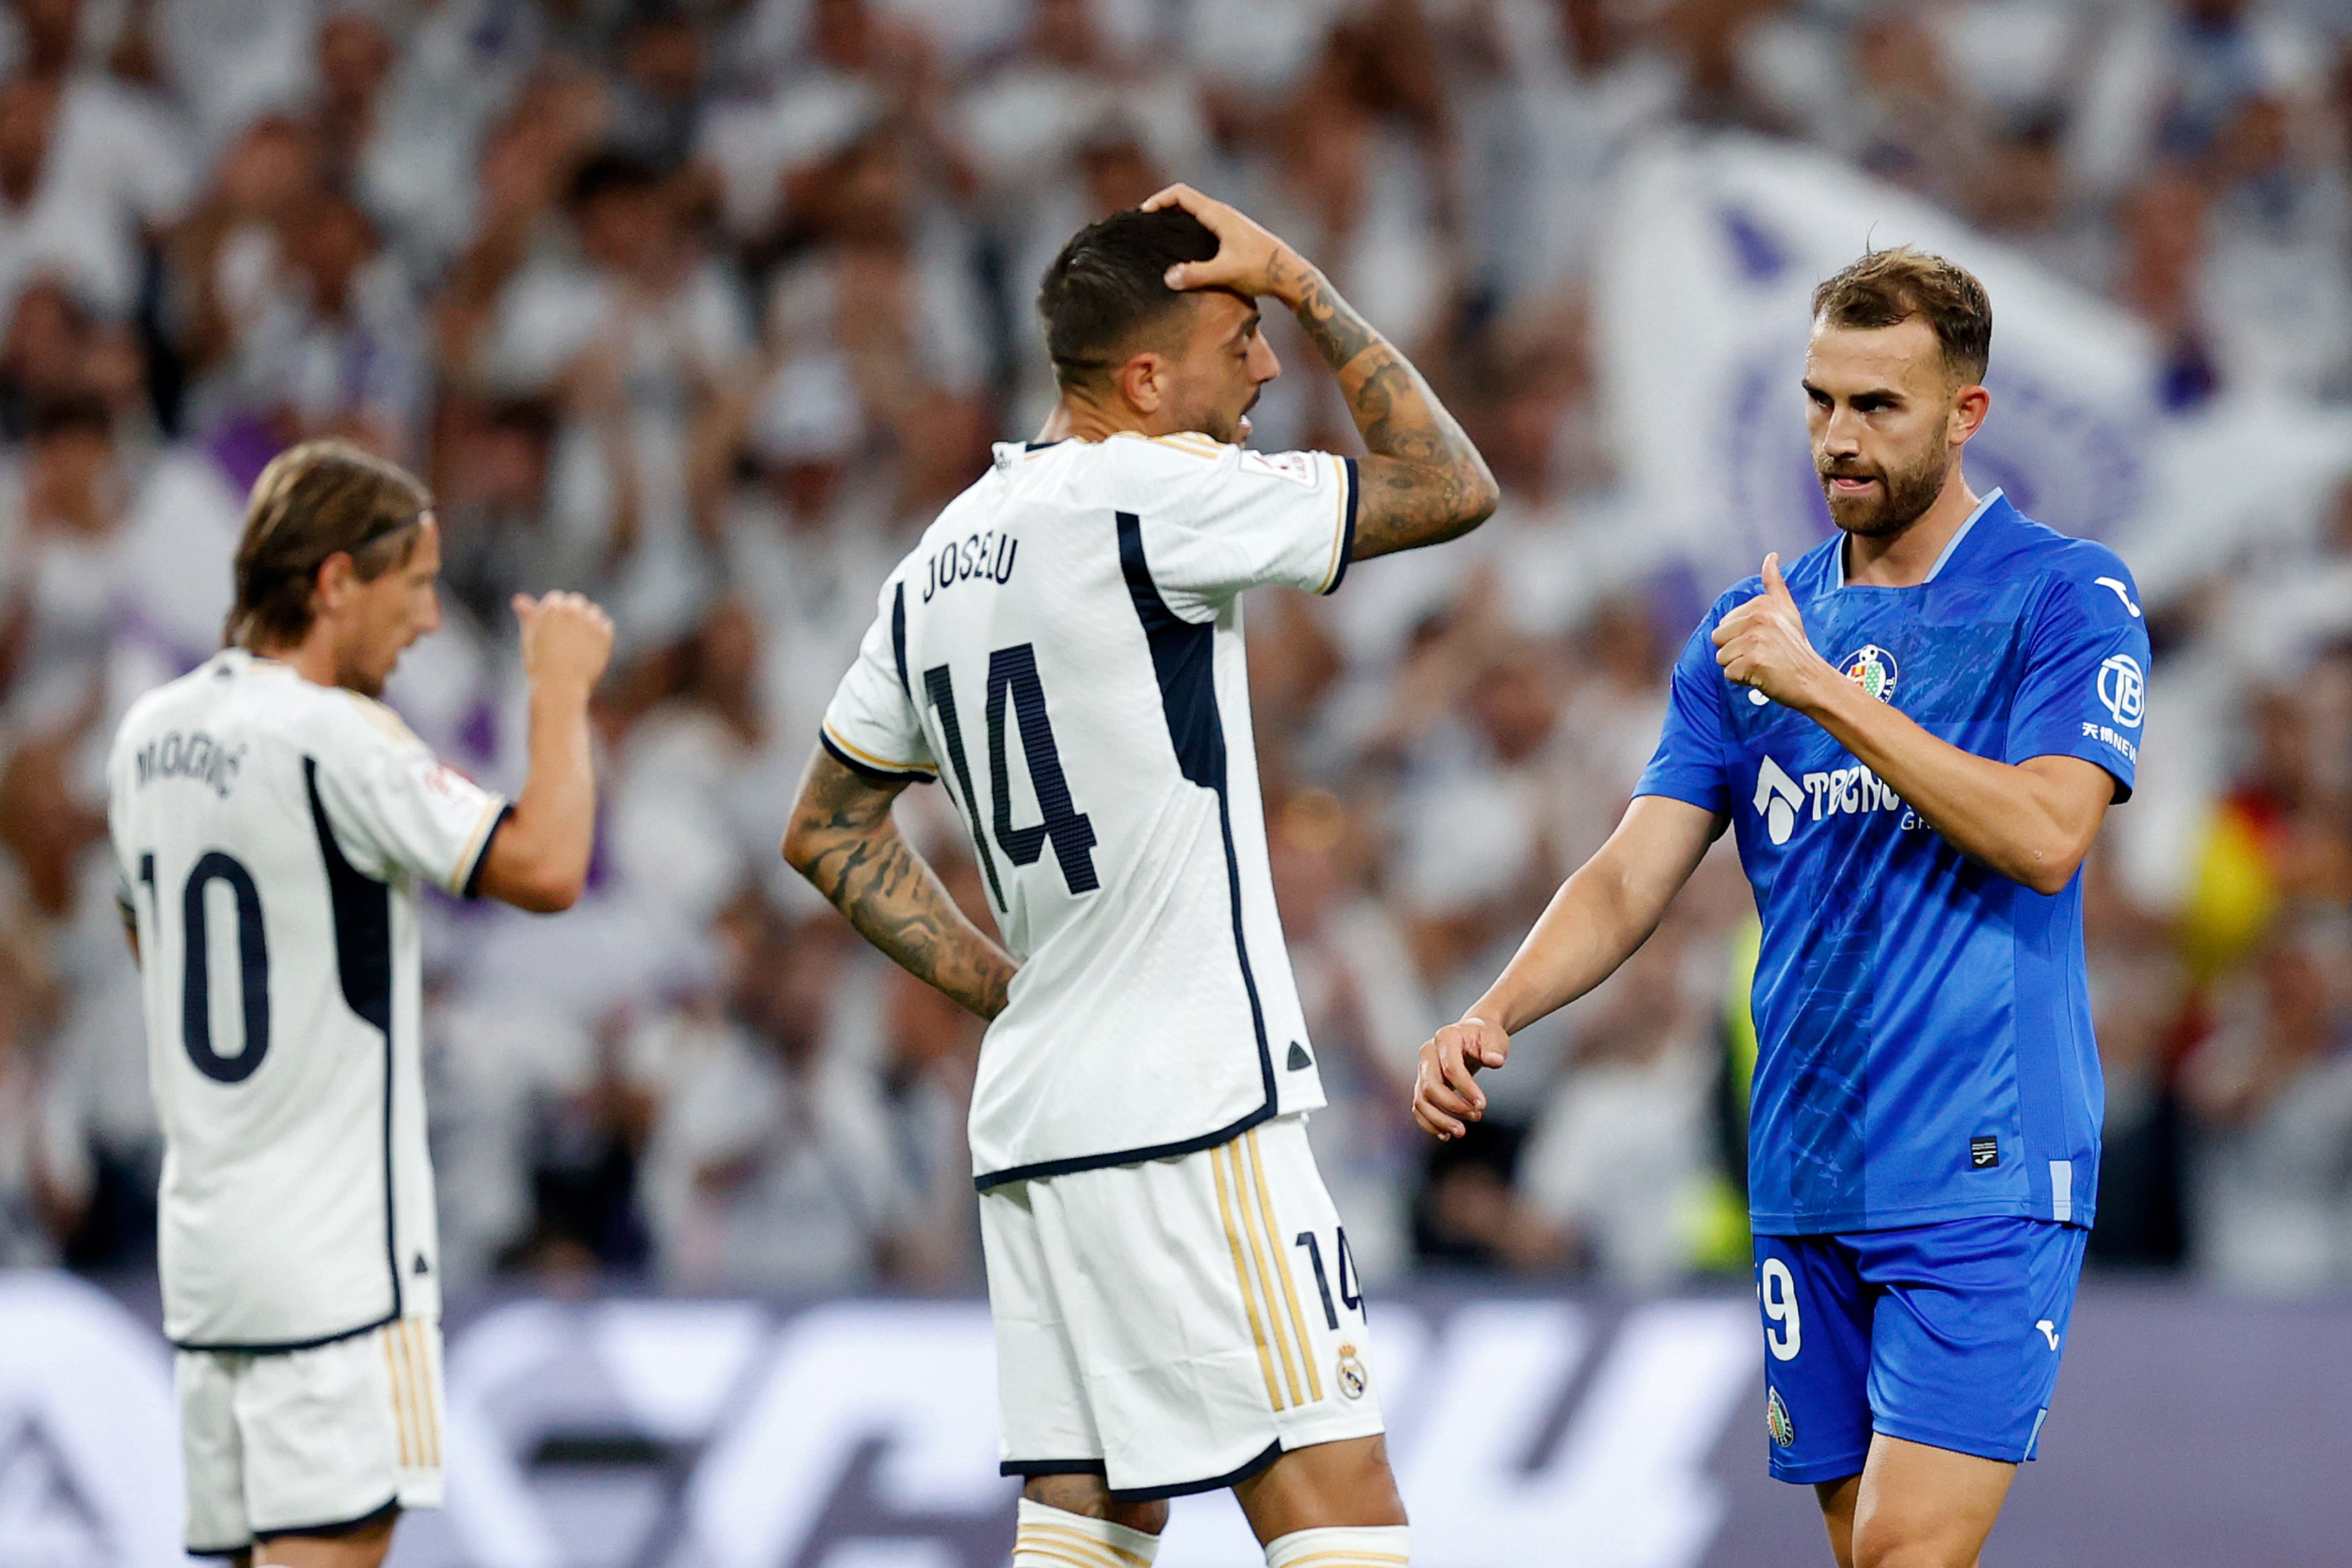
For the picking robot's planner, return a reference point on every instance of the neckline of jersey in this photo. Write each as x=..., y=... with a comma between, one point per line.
x=1952, y=547
x=240, y=654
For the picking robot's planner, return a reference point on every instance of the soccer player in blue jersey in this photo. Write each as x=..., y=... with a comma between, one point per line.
x=1913, y=736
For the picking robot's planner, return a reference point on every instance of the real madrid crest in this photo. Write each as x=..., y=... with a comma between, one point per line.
x=1872, y=668
x=1777, y=1421
x=1353, y=1378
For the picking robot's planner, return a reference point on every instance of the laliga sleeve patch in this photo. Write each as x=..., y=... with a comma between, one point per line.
x=1299, y=467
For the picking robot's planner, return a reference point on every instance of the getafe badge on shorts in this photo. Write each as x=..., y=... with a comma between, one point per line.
x=1776, y=1419
x=1354, y=1379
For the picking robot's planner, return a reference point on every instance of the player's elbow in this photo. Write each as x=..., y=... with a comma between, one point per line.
x=2048, y=869
x=1481, y=495
x=531, y=876
x=554, y=895
x=804, y=846
x=549, y=891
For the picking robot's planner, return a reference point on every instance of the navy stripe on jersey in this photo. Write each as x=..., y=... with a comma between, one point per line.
x=482, y=857
x=898, y=635
x=1183, y=661
x=1347, y=482
x=363, y=958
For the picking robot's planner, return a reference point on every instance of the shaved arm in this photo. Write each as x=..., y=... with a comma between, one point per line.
x=1593, y=924
x=845, y=841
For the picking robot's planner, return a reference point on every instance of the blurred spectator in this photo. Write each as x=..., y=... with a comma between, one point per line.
x=707, y=308
x=2274, y=1086
x=771, y=1165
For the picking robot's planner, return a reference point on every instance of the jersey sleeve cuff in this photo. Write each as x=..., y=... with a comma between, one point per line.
x=2104, y=751
x=872, y=767
x=494, y=819
x=1691, y=786
x=1344, y=546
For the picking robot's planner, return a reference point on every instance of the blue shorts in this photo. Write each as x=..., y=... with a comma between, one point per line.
x=1944, y=1334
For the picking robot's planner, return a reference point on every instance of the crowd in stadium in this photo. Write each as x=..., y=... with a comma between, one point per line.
x=706, y=307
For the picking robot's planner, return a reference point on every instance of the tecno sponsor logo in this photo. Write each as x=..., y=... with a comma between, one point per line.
x=1782, y=799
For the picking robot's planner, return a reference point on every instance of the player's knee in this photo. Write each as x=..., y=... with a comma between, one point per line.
x=1088, y=1497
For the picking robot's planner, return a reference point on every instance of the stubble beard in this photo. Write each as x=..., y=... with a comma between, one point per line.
x=1902, y=499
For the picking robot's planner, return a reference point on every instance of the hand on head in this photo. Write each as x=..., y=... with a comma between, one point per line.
x=1249, y=259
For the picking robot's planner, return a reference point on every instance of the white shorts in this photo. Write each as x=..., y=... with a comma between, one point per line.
x=1175, y=1326
x=309, y=1442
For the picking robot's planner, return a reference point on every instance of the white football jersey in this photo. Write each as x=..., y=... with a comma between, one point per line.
x=271, y=834
x=1063, y=651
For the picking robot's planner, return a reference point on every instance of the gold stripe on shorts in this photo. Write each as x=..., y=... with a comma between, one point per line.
x=1250, y=1221
x=1242, y=1275
x=1344, y=1559
x=1282, y=1261
x=1062, y=1537
x=399, y=1415
x=428, y=1405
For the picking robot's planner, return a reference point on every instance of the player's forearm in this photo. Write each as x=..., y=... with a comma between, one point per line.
x=1425, y=482
x=1602, y=914
x=2006, y=817
x=543, y=852
x=842, y=838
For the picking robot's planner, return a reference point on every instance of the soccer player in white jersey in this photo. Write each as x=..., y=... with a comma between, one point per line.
x=1176, y=1309
x=273, y=822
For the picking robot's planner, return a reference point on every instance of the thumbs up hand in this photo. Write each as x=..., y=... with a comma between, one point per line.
x=1762, y=643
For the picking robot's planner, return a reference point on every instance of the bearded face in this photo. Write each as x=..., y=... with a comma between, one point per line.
x=1884, y=405
x=1880, y=500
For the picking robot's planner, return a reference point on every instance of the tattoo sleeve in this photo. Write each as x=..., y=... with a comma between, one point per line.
x=1425, y=482
x=842, y=838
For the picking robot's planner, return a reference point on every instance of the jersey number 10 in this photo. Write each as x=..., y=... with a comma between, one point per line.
x=1013, y=681
x=196, y=973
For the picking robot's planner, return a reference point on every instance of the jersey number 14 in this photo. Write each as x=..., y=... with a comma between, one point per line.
x=1012, y=683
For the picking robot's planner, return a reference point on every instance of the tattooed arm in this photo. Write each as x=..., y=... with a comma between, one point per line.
x=843, y=839
x=1423, y=483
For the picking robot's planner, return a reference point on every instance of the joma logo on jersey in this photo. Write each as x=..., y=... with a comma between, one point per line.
x=987, y=554
x=1779, y=798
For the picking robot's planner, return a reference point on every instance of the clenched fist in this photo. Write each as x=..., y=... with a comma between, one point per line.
x=1762, y=643
x=566, y=642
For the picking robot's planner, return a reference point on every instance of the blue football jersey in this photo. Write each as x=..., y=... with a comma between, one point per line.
x=1923, y=1023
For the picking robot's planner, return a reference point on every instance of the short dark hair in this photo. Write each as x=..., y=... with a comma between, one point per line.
x=1110, y=282
x=1886, y=287
x=319, y=499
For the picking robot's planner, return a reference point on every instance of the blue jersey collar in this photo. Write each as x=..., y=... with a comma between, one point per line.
x=1951, y=545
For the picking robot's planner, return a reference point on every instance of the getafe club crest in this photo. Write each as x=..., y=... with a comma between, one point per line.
x=1775, y=1420
x=1353, y=1378
x=1872, y=668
